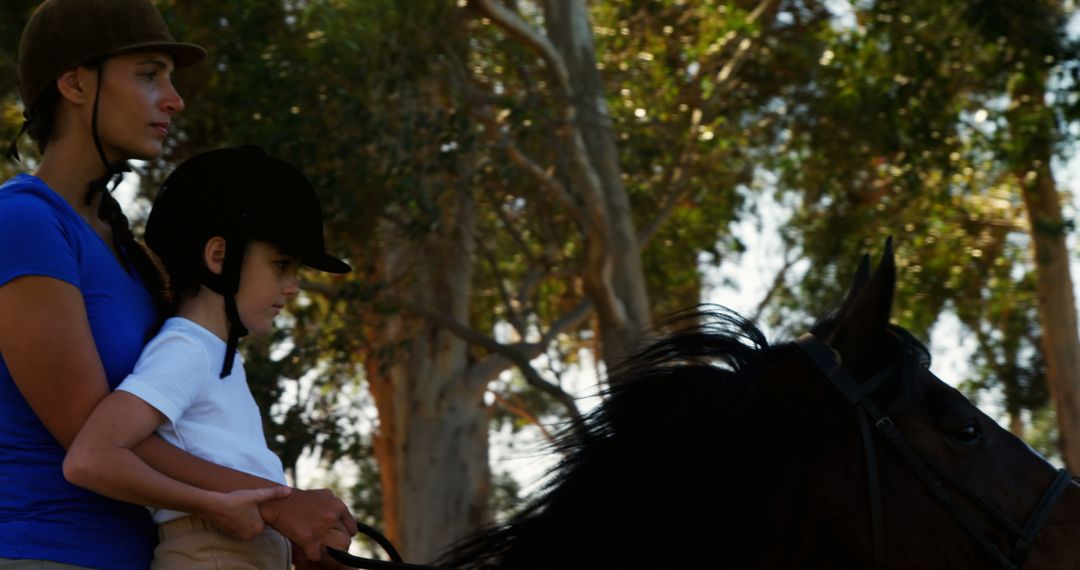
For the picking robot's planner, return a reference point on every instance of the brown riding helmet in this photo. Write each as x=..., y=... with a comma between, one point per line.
x=63, y=34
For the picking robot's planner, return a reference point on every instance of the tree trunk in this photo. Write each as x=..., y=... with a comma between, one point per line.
x=568, y=26
x=1032, y=130
x=1016, y=424
x=432, y=440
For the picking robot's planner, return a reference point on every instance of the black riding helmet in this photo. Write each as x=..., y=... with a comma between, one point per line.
x=241, y=194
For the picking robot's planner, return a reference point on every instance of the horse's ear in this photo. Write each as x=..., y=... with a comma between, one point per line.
x=862, y=276
x=865, y=312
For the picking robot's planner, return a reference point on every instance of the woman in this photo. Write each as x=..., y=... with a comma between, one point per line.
x=77, y=293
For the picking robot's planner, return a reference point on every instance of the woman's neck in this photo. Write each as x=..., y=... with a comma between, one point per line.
x=68, y=166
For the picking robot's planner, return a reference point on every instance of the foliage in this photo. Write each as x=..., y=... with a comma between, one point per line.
x=905, y=131
x=13, y=16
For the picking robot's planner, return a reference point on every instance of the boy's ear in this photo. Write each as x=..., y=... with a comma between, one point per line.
x=74, y=86
x=214, y=254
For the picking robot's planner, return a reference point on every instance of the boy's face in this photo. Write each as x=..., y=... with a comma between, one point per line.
x=267, y=281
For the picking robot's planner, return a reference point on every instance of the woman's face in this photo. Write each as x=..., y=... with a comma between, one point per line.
x=137, y=103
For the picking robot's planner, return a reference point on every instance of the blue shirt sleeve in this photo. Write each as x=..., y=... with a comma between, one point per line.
x=34, y=240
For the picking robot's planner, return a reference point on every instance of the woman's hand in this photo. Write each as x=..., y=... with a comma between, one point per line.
x=311, y=519
x=237, y=513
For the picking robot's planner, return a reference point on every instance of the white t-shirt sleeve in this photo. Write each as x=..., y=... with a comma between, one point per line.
x=169, y=374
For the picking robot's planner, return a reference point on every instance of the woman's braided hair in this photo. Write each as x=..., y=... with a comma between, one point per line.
x=138, y=256
x=40, y=121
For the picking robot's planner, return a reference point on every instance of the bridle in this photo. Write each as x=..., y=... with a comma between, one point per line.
x=858, y=395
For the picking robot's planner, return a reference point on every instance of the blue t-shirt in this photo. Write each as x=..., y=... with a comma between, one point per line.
x=42, y=516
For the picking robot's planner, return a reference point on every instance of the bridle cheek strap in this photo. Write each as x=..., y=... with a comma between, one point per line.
x=828, y=362
x=858, y=395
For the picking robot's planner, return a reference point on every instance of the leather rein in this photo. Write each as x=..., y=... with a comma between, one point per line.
x=871, y=418
x=395, y=562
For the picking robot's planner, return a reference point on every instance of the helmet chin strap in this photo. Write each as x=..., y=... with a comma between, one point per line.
x=227, y=284
x=114, y=172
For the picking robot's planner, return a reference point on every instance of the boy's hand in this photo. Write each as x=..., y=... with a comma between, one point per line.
x=311, y=519
x=237, y=513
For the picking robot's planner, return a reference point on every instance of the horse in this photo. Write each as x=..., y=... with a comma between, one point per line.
x=839, y=449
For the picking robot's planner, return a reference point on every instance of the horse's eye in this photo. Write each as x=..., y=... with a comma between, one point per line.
x=967, y=435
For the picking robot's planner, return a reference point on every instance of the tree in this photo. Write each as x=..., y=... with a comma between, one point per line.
x=542, y=103
x=1032, y=35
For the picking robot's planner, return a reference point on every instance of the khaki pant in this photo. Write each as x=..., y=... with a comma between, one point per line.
x=191, y=543
x=9, y=564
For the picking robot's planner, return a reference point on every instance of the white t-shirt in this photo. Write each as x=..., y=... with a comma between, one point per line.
x=210, y=417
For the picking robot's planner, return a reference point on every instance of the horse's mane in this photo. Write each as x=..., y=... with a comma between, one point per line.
x=660, y=402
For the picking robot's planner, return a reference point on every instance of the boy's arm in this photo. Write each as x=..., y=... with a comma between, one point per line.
x=311, y=519
x=100, y=459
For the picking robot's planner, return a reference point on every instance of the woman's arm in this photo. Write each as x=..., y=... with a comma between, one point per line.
x=100, y=459
x=310, y=518
x=44, y=317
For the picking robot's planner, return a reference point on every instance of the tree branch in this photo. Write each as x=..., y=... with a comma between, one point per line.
x=518, y=354
x=521, y=411
x=512, y=24
x=545, y=176
x=516, y=319
x=725, y=77
x=726, y=82
x=674, y=181
x=591, y=212
x=777, y=284
x=571, y=319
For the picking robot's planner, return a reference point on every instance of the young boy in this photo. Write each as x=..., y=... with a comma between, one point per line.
x=231, y=228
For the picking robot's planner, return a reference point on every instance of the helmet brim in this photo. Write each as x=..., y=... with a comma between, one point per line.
x=325, y=262
x=183, y=54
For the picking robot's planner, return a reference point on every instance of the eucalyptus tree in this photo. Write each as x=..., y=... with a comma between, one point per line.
x=1032, y=41
x=610, y=137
